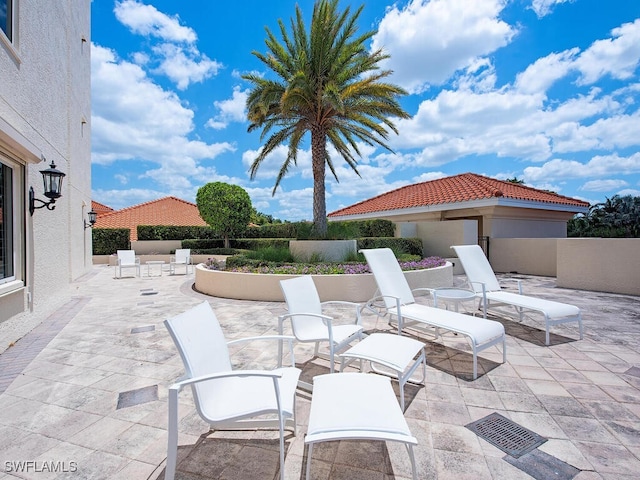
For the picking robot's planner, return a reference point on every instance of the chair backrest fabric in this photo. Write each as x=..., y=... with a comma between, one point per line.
x=202, y=346
x=182, y=255
x=301, y=296
x=389, y=276
x=476, y=267
x=127, y=257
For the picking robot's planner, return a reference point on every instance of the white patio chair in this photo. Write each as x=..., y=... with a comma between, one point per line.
x=181, y=257
x=484, y=282
x=399, y=302
x=127, y=259
x=227, y=399
x=308, y=322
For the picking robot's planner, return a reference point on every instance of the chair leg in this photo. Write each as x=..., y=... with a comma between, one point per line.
x=309, y=461
x=413, y=461
x=172, y=443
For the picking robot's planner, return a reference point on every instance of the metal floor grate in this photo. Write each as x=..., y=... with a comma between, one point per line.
x=508, y=436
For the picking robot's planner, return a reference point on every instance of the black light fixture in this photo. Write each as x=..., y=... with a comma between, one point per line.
x=52, y=179
x=93, y=216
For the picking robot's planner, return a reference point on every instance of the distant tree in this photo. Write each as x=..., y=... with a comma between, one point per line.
x=515, y=180
x=328, y=85
x=260, y=218
x=226, y=208
x=615, y=217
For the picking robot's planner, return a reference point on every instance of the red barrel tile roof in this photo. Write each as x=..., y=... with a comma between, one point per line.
x=99, y=208
x=465, y=187
x=165, y=211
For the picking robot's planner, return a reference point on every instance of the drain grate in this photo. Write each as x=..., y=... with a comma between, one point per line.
x=138, y=396
x=635, y=371
x=508, y=436
x=148, y=328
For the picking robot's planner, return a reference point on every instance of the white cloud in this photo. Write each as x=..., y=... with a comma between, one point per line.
x=122, y=179
x=618, y=56
x=185, y=66
x=540, y=75
x=598, y=166
x=603, y=185
x=231, y=110
x=430, y=40
x=629, y=191
x=148, y=21
x=135, y=119
x=270, y=166
x=544, y=7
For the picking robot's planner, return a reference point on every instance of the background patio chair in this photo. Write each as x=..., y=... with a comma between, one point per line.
x=181, y=257
x=308, y=322
x=484, y=282
x=399, y=302
x=227, y=399
x=127, y=259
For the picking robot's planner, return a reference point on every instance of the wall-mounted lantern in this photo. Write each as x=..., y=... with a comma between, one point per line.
x=93, y=216
x=52, y=179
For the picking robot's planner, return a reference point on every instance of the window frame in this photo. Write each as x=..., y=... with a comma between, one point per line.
x=9, y=32
x=18, y=252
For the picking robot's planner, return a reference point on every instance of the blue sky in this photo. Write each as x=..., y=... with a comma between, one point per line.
x=547, y=91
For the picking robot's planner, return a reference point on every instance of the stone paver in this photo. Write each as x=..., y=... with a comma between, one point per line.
x=60, y=387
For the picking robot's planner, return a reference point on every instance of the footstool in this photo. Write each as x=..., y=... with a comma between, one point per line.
x=356, y=406
x=392, y=351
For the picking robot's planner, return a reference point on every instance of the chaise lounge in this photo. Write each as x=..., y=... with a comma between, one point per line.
x=399, y=302
x=484, y=282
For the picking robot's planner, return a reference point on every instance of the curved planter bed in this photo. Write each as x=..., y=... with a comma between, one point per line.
x=266, y=287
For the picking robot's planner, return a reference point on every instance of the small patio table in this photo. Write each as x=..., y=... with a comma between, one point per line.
x=392, y=351
x=149, y=263
x=453, y=295
x=356, y=406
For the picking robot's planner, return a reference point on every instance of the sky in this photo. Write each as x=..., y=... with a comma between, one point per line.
x=546, y=91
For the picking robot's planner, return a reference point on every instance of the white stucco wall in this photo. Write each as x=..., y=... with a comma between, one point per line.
x=45, y=104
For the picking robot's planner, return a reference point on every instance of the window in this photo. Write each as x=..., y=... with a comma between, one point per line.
x=6, y=18
x=7, y=257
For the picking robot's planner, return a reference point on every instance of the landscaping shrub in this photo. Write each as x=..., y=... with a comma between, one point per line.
x=412, y=246
x=109, y=240
x=174, y=232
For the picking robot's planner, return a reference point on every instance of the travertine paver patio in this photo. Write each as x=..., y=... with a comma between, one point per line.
x=61, y=386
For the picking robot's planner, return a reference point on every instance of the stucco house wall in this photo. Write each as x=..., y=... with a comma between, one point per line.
x=45, y=110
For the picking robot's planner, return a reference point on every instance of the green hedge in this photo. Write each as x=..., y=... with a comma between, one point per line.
x=171, y=232
x=411, y=246
x=107, y=241
x=241, y=243
x=335, y=230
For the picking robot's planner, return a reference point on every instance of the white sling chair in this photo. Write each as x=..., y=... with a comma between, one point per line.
x=399, y=302
x=484, y=282
x=227, y=399
x=181, y=257
x=127, y=259
x=308, y=322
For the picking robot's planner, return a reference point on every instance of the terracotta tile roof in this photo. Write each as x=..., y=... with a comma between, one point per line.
x=165, y=211
x=465, y=187
x=99, y=208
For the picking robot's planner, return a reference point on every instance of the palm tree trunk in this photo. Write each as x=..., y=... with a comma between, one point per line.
x=318, y=165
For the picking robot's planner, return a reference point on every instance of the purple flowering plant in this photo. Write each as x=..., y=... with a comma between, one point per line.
x=325, y=268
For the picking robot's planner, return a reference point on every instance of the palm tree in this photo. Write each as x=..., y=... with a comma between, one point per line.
x=327, y=84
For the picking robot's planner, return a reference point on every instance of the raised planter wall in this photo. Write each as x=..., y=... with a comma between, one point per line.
x=266, y=287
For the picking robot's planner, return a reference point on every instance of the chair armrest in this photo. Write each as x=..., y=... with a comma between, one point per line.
x=520, y=287
x=262, y=337
x=325, y=318
x=234, y=373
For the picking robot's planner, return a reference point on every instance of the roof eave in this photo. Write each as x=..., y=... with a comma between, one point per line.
x=480, y=203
